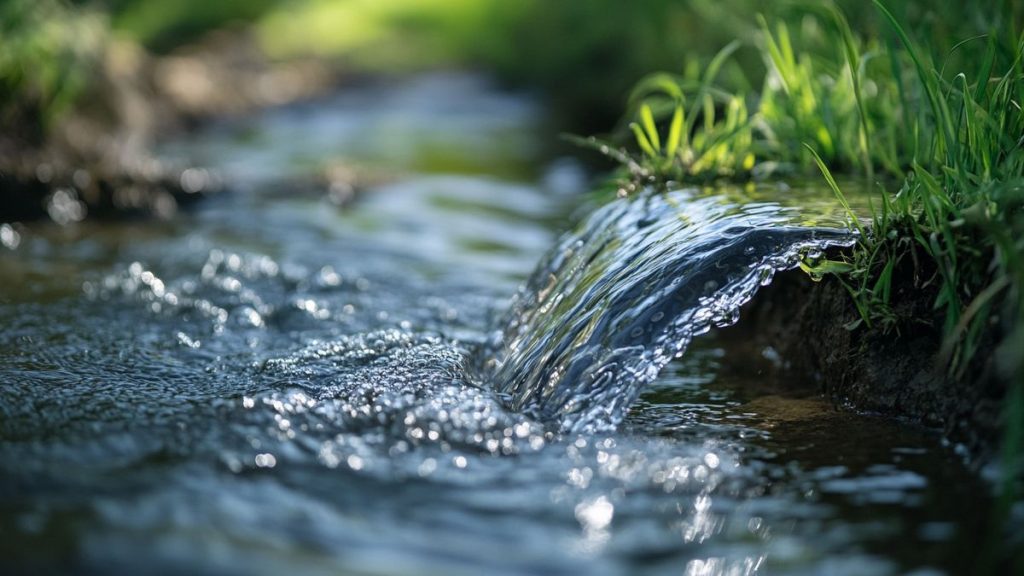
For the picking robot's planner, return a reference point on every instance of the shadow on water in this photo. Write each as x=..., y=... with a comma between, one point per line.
x=273, y=384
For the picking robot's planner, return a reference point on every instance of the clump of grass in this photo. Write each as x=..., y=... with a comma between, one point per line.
x=47, y=51
x=821, y=101
x=831, y=101
x=953, y=208
x=960, y=151
x=719, y=146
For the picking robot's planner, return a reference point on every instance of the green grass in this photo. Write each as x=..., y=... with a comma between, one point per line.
x=954, y=209
x=720, y=147
x=47, y=53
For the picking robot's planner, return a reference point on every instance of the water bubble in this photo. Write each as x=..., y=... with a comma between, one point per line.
x=595, y=515
x=44, y=172
x=9, y=237
x=265, y=460
x=712, y=460
x=188, y=341
x=328, y=277
x=194, y=180
x=580, y=477
x=427, y=467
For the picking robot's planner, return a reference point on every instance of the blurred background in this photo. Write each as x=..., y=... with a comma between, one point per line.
x=94, y=84
x=145, y=65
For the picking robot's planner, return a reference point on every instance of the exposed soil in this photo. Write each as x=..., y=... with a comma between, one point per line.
x=797, y=329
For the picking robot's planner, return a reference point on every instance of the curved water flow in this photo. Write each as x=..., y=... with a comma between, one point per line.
x=622, y=296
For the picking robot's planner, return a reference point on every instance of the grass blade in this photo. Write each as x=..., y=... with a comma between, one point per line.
x=855, y=222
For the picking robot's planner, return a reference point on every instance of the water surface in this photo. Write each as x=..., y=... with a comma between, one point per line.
x=272, y=383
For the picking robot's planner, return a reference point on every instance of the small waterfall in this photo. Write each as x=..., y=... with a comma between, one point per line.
x=624, y=294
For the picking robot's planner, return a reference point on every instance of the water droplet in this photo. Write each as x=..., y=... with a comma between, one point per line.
x=9, y=237
x=266, y=460
x=595, y=515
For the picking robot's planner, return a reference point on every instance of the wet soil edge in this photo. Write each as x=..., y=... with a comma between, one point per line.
x=802, y=327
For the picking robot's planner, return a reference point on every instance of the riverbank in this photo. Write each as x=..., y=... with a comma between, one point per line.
x=923, y=319
x=80, y=130
x=801, y=329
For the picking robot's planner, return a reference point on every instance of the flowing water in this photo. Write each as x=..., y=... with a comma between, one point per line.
x=618, y=300
x=272, y=383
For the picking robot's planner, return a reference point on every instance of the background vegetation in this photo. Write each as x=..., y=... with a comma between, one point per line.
x=584, y=54
x=47, y=53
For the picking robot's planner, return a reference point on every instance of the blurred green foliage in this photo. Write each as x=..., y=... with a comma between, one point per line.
x=47, y=53
x=162, y=25
x=388, y=36
x=585, y=55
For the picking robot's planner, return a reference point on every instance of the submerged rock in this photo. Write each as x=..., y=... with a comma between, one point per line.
x=66, y=194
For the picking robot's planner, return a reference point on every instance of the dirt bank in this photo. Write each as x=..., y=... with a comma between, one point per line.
x=799, y=328
x=95, y=161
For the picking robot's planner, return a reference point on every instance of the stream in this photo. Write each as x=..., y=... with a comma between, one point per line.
x=466, y=368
